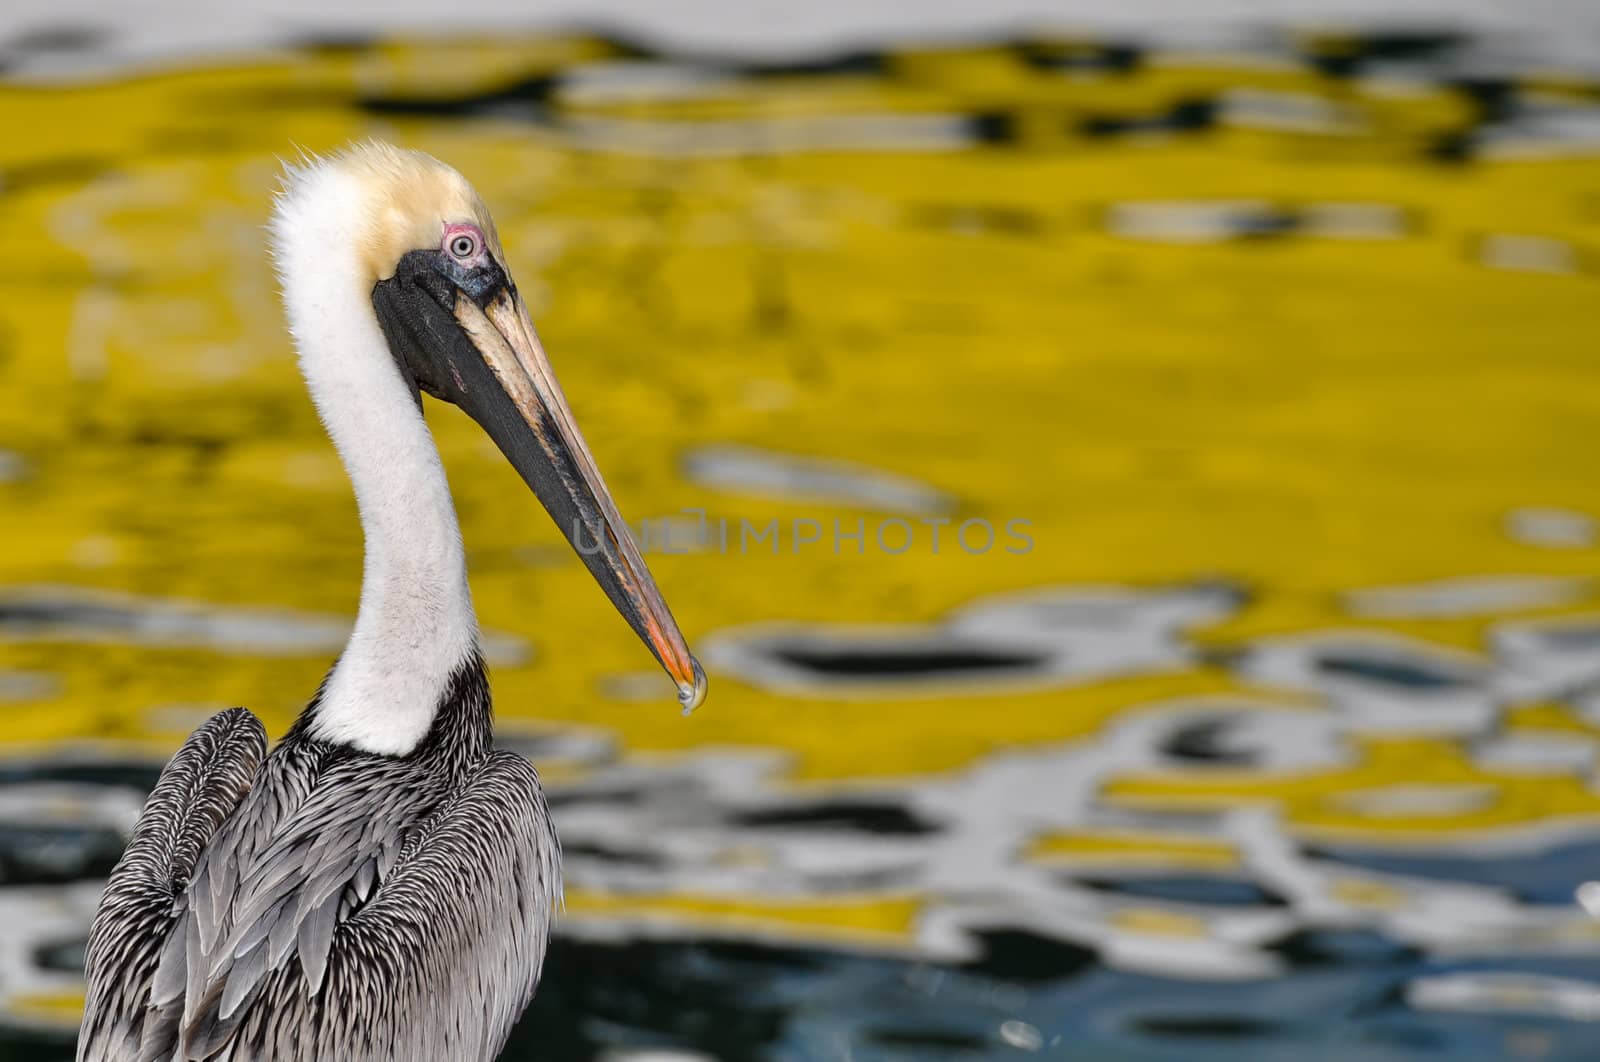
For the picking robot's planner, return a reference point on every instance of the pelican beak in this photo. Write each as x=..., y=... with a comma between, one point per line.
x=473, y=344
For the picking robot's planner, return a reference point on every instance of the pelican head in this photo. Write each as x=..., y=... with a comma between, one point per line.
x=407, y=236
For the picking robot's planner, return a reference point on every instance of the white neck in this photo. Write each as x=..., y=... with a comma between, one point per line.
x=416, y=626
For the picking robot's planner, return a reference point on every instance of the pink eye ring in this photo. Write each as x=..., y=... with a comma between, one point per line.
x=463, y=243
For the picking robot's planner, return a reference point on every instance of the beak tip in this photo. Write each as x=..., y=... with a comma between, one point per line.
x=692, y=694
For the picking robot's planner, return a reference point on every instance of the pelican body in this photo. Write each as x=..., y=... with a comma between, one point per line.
x=379, y=885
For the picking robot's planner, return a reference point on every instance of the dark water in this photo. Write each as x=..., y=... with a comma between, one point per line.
x=1340, y=992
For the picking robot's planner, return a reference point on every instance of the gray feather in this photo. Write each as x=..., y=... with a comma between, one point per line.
x=242, y=981
x=316, y=937
x=170, y=977
x=366, y=877
x=440, y=867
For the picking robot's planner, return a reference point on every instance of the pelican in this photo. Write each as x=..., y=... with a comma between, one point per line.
x=380, y=884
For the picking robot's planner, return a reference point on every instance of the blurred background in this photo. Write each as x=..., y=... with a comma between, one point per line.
x=1261, y=336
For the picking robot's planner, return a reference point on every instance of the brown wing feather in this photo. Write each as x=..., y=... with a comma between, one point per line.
x=197, y=791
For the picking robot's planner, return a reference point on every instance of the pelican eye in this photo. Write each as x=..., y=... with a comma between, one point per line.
x=463, y=246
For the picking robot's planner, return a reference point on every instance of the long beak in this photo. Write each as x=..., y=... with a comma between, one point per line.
x=531, y=423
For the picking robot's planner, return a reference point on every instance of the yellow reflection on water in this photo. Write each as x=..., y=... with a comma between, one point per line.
x=1047, y=326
